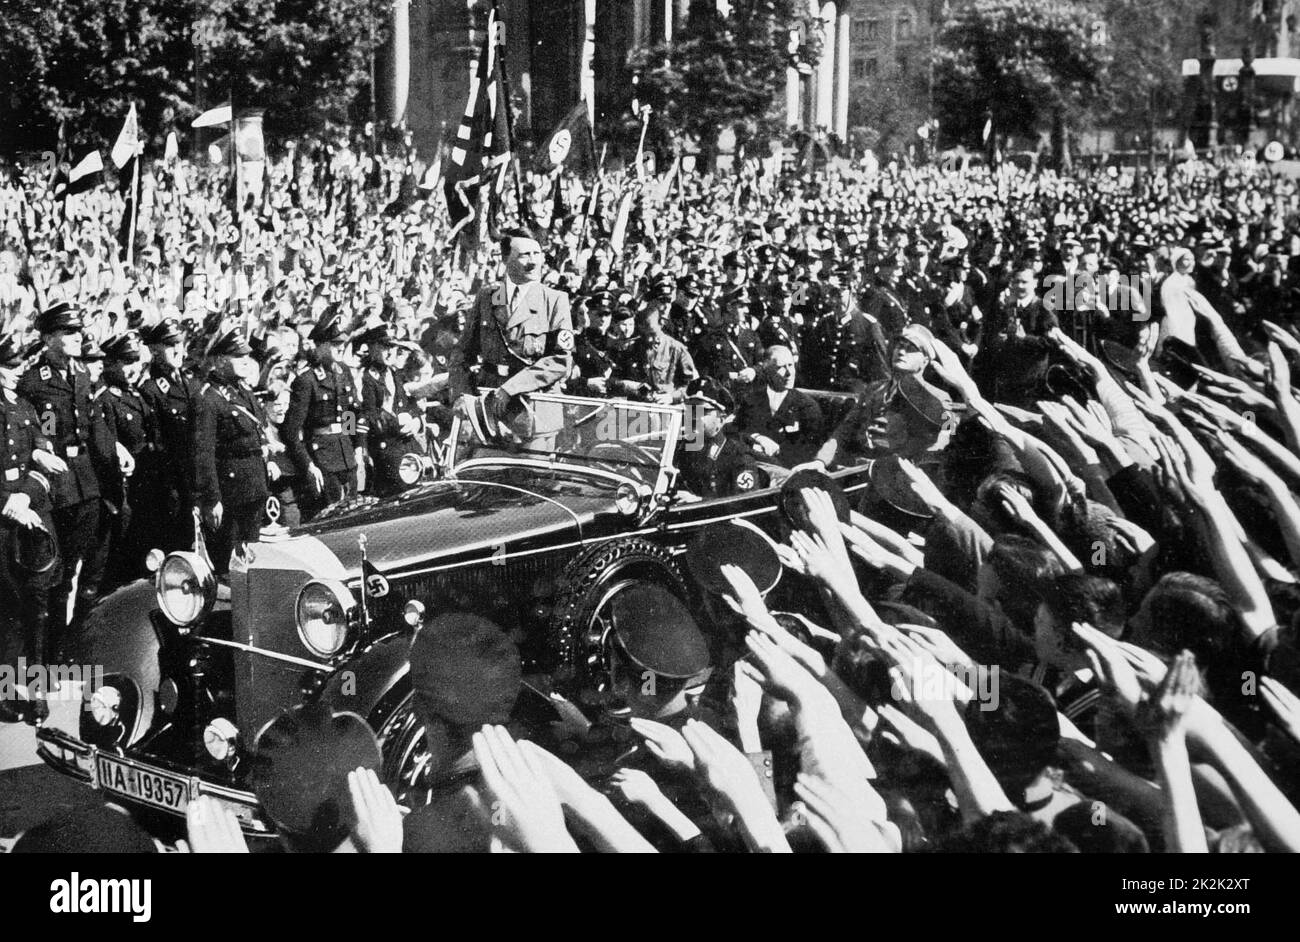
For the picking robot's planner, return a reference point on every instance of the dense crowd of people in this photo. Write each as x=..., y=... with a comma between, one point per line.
x=1063, y=616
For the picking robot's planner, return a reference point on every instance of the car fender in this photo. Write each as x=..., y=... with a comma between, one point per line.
x=120, y=638
x=364, y=684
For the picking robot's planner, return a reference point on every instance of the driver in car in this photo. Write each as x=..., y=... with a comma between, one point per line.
x=713, y=463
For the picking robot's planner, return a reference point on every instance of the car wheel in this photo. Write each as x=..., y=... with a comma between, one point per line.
x=589, y=585
x=405, y=754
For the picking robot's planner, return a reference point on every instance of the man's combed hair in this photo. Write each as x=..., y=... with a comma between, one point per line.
x=509, y=235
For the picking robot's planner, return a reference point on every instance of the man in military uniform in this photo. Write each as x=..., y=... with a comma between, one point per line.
x=885, y=306
x=520, y=334
x=323, y=428
x=391, y=416
x=655, y=367
x=133, y=532
x=591, y=353
x=112, y=470
x=169, y=394
x=26, y=464
x=730, y=352
x=845, y=348
x=230, y=470
x=60, y=392
x=902, y=415
x=659, y=295
x=917, y=289
x=686, y=319
x=713, y=463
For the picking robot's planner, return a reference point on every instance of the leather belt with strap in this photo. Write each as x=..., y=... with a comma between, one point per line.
x=72, y=451
x=334, y=429
x=500, y=369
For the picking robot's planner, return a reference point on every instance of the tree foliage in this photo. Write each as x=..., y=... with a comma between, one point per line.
x=1148, y=43
x=723, y=72
x=1026, y=61
x=80, y=63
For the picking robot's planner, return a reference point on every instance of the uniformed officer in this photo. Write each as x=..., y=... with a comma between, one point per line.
x=655, y=367
x=713, y=463
x=284, y=475
x=60, y=392
x=903, y=415
x=730, y=353
x=323, y=428
x=657, y=653
x=591, y=354
x=131, y=534
x=686, y=316
x=391, y=416
x=622, y=332
x=659, y=294
x=885, y=305
x=518, y=331
x=230, y=470
x=112, y=470
x=26, y=460
x=916, y=288
x=169, y=393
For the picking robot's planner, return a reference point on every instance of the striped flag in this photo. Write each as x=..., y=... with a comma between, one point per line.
x=82, y=177
x=483, y=140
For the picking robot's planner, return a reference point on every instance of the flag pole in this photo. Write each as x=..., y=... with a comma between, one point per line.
x=595, y=195
x=640, y=145
x=237, y=252
x=135, y=206
x=520, y=208
x=365, y=591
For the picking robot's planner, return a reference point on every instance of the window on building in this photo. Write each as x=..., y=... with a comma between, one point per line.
x=905, y=25
x=871, y=28
x=865, y=68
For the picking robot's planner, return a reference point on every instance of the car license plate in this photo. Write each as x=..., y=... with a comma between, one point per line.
x=150, y=786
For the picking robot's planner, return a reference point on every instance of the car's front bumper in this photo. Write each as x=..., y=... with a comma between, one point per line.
x=69, y=756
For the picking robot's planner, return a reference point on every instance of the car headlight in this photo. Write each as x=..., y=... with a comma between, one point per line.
x=186, y=587
x=413, y=468
x=324, y=613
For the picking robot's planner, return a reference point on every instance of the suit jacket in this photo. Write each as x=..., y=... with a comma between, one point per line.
x=525, y=350
x=798, y=425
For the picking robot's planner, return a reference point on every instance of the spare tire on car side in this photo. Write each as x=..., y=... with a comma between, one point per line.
x=575, y=639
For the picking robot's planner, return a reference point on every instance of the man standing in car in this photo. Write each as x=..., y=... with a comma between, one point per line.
x=519, y=333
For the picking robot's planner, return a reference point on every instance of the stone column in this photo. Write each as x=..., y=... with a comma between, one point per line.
x=842, y=56
x=826, y=70
x=587, y=67
x=793, y=115
x=400, y=76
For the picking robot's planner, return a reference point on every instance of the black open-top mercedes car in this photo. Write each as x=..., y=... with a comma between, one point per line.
x=540, y=538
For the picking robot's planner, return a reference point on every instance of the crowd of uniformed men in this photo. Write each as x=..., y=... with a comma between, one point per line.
x=943, y=325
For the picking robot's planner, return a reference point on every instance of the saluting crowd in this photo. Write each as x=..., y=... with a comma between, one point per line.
x=1071, y=584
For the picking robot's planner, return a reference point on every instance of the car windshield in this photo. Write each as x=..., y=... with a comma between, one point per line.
x=634, y=439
